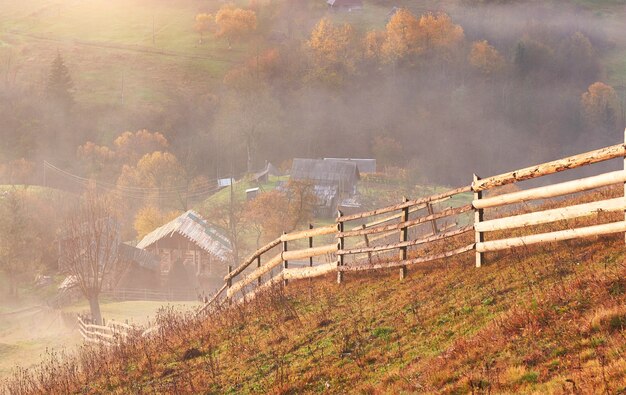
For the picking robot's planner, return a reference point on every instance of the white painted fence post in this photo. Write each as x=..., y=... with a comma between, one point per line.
x=625, y=182
x=478, y=217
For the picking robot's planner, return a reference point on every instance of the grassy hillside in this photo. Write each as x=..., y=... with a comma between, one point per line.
x=142, y=55
x=537, y=320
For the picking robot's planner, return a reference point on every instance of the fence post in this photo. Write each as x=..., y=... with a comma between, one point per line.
x=285, y=263
x=404, y=236
x=367, y=244
x=258, y=265
x=340, y=246
x=229, y=283
x=311, y=246
x=625, y=182
x=433, y=222
x=478, y=217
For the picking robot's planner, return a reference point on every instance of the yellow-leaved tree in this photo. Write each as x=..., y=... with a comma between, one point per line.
x=148, y=218
x=486, y=58
x=234, y=24
x=203, y=24
x=158, y=177
x=332, y=50
x=432, y=34
x=600, y=106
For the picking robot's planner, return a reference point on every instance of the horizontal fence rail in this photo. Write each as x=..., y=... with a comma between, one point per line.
x=394, y=236
x=112, y=333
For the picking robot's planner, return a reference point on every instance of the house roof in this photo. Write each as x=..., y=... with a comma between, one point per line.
x=195, y=228
x=143, y=258
x=364, y=165
x=269, y=169
x=325, y=171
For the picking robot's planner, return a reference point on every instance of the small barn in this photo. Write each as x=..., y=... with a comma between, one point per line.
x=345, y=5
x=192, y=254
x=264, y=174
x=364, y=165
x=141, y=268
x=332, y=181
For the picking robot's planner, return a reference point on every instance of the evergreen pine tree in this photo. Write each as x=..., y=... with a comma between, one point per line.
x=60, y=83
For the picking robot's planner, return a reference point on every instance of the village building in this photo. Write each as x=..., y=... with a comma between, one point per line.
x=365, y=166
x=332, y=181
x=192, y=254
x=264, y=174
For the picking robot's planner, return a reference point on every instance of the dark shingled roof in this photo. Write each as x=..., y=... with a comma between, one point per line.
x=364, y=165
x=143, y=258
x=325, y=171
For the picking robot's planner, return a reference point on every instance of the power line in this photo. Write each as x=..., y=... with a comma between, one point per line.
x=206, y=187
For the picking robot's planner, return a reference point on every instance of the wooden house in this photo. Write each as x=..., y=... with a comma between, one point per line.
x=192, y=254
x=364, y=165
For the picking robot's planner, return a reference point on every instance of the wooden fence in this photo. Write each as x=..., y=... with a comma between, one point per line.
x=110, y=333
x=365, y=241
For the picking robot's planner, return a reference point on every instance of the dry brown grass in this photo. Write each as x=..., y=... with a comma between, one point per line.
x=540, y=319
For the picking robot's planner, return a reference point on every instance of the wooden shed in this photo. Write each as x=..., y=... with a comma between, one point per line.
x=189, y=241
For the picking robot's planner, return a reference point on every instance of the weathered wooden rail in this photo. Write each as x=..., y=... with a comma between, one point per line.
x=108, y=334
x=355, y=248
x=112, y=333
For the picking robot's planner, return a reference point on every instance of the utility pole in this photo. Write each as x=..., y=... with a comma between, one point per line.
x=153, y=28
x=122, y=87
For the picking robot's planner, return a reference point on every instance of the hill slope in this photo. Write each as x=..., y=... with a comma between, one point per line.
x=544, y=320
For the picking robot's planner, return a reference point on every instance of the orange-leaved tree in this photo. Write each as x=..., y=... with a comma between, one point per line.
x=332, y=50
x=234, y=24
x=486, y=58
x=203, y=24
x=148, y=218
x=408, y=36
x=600, y=106
x=267, y=215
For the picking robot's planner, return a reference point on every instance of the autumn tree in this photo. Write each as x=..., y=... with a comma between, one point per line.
x=267, y=214
x=486, y=58
x=431, y=34
x=18, y=171
x=228, y=216
x=234, y=24
x=333, y=50
x=387, y=151
x=157, y=176
x=249, y=112
x=59, y=86
x=534, y=59
x=301, y=203
x=271, y=213
x=148, y=218
x=577, y=58
x=89, y=248
x=600, y=106
x=17, y=238
x=130, y=147
x=127, y=148
x=203, y=24
x=373, y=44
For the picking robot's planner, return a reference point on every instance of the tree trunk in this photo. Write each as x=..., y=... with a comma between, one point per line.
x=94, y=306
